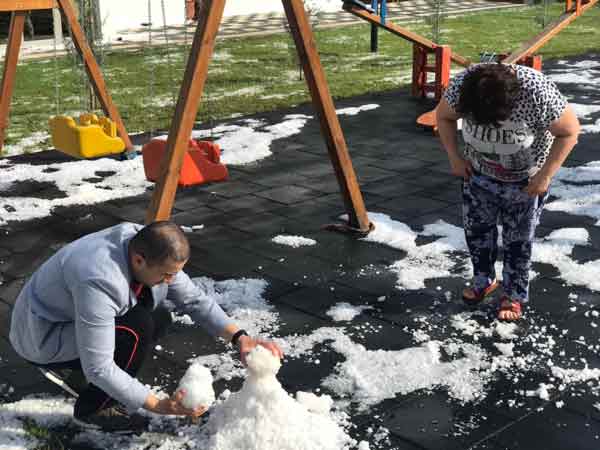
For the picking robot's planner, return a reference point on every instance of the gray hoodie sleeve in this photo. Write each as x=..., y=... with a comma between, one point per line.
x=204, y=310
x=95, y=313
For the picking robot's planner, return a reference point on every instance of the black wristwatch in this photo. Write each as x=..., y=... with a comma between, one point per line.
x=236, y=337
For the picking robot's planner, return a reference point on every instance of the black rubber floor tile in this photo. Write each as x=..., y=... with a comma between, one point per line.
x=5, y=314
x=390, y=187
x=202, y=215
x=9, y=290
x=356, y=253
x=267, y=225
x=232, y=189
x=506, y=395
x=211, y=236
x=305, y=271
x=412, y=205
x=225, y=262
x=289, y=194
x=24, y=264
x=401, y=164
x=451, y=196
x=27, y=240
x=553, y=429
x=436, y=422
x=318, y=300
x=558, y=301
x=559, y=219
x=248, y=205
x=265, y=246
x=376, y=280
x=379, y=437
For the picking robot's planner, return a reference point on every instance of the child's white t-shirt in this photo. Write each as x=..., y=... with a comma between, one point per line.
x=519, y=147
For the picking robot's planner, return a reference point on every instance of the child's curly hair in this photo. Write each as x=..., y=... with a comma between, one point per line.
x=488, y=94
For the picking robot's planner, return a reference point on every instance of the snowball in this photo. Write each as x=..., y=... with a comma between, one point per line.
x=197, y=384
x=263, y=416
x=262, y=363
x=345, y=311
x=293, y=241
x=363, y=445
x=314, y=403
x=505, y=349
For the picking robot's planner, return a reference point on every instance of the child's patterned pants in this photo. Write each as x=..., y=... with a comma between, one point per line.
x=487, y=203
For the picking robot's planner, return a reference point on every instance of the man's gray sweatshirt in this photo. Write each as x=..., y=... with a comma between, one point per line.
x=67, y=309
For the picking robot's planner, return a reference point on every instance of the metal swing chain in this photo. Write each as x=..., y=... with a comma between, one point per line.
x=151, y=77
x=56, y=76
x=166, y=38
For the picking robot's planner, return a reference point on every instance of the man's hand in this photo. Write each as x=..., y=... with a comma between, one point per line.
x=461, y=167
x=538, y=184
x=246, y=344
x=172, y=406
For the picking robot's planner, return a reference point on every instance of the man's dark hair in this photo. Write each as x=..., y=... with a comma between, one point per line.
x=488, y=94
x=161, y=241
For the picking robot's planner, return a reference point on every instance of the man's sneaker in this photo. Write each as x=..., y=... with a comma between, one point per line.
x=113, y=420
x=71, y=381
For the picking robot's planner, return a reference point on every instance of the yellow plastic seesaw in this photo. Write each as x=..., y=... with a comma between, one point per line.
x=93, y=137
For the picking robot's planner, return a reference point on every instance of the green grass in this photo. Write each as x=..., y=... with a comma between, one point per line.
x=250, y=75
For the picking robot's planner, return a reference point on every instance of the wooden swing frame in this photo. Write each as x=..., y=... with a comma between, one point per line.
x=19, y=10
x=191, y=93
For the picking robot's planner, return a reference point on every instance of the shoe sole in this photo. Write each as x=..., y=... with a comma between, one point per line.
x=56, y=379
x=94, y=427
x=486, y=293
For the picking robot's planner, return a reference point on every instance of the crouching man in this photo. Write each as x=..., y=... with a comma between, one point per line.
x=91, y=313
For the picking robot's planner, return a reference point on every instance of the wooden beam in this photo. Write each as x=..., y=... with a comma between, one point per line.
x=185, y=111
x=534, y=44
x=401, y=32
x=26, y=5
x=15, y=38
x=330, y=125
x=93, y=70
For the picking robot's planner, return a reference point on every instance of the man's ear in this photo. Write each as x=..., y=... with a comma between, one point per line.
x=137, y=259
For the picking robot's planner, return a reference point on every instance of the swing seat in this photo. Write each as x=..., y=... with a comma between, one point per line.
x=428, y=121
x=201, y=163
x=93, y=137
